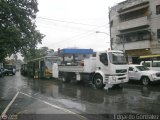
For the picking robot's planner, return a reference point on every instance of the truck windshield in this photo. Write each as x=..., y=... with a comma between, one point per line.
x=117, y=58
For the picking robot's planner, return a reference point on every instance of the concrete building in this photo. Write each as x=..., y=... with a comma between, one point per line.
x=135, y=28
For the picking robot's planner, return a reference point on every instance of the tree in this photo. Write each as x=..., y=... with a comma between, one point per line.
x=37, y=53
x=17, y=27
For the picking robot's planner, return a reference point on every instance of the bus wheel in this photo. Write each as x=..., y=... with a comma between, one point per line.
x=98, y=81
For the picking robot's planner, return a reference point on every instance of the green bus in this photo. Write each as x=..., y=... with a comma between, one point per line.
x=41, y=67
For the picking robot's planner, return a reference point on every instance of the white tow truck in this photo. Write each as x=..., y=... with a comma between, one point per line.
x=108, y=67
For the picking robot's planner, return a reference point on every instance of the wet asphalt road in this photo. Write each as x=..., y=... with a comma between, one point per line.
x=52, y=98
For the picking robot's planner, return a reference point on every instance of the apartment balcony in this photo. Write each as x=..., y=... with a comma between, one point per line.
x=134, y=45
x=138, y=22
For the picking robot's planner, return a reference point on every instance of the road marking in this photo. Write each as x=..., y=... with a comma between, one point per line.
x=57, y=107
x=9, y=105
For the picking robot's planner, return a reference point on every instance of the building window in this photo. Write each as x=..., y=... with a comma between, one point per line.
x=158, y=9
x=158, y=33
x=134, y=15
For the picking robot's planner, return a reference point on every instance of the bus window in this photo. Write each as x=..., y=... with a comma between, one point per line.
x=156, y=64
x=48, y=64
x=147, y=64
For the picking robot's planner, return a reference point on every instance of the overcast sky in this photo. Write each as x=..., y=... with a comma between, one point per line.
x=73, y=23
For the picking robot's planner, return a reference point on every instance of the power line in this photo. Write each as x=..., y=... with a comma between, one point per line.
x=70, y=22
x=73, y=28
x=74, y=38
x=82, y=29
x=91, y=31
x=79, y=36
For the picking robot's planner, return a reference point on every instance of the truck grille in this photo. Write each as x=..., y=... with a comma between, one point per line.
x=121, y=74
x=121, y=71
x=121, y=78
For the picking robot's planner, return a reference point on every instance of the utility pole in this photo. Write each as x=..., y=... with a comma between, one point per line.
x=123, y=43
x=110, y=28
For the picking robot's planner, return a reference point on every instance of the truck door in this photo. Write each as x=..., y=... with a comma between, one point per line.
x=103, y=58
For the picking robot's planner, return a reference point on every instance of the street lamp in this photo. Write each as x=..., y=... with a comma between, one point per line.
x=106, y=34
x=102, y=32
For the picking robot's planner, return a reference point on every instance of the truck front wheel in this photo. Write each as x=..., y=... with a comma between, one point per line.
x=63, y=79
x=98, y=81
x=145, y=80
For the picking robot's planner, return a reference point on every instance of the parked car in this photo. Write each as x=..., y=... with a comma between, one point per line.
x=1, y=72
x=9, y=69
x=143, y=74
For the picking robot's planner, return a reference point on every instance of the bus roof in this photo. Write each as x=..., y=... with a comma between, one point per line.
x=41, y=58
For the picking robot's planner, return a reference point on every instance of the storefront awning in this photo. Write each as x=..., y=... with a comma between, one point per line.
x=149, y=56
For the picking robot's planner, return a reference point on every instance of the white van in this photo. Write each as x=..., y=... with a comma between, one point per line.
x=153, y=65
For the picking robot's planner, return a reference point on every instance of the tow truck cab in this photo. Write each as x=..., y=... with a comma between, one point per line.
x=112, y=65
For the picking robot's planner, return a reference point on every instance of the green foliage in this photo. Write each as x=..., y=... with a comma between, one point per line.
x=37, y=53
x=17, y=27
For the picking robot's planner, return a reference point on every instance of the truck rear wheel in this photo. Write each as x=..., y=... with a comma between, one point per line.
x=64, y=78
x=145, y=80
x=98, y=81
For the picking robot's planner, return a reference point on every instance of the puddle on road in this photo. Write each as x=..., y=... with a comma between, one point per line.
x=129, y=99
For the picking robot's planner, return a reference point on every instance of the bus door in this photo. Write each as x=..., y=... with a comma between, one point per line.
x=42, y=69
